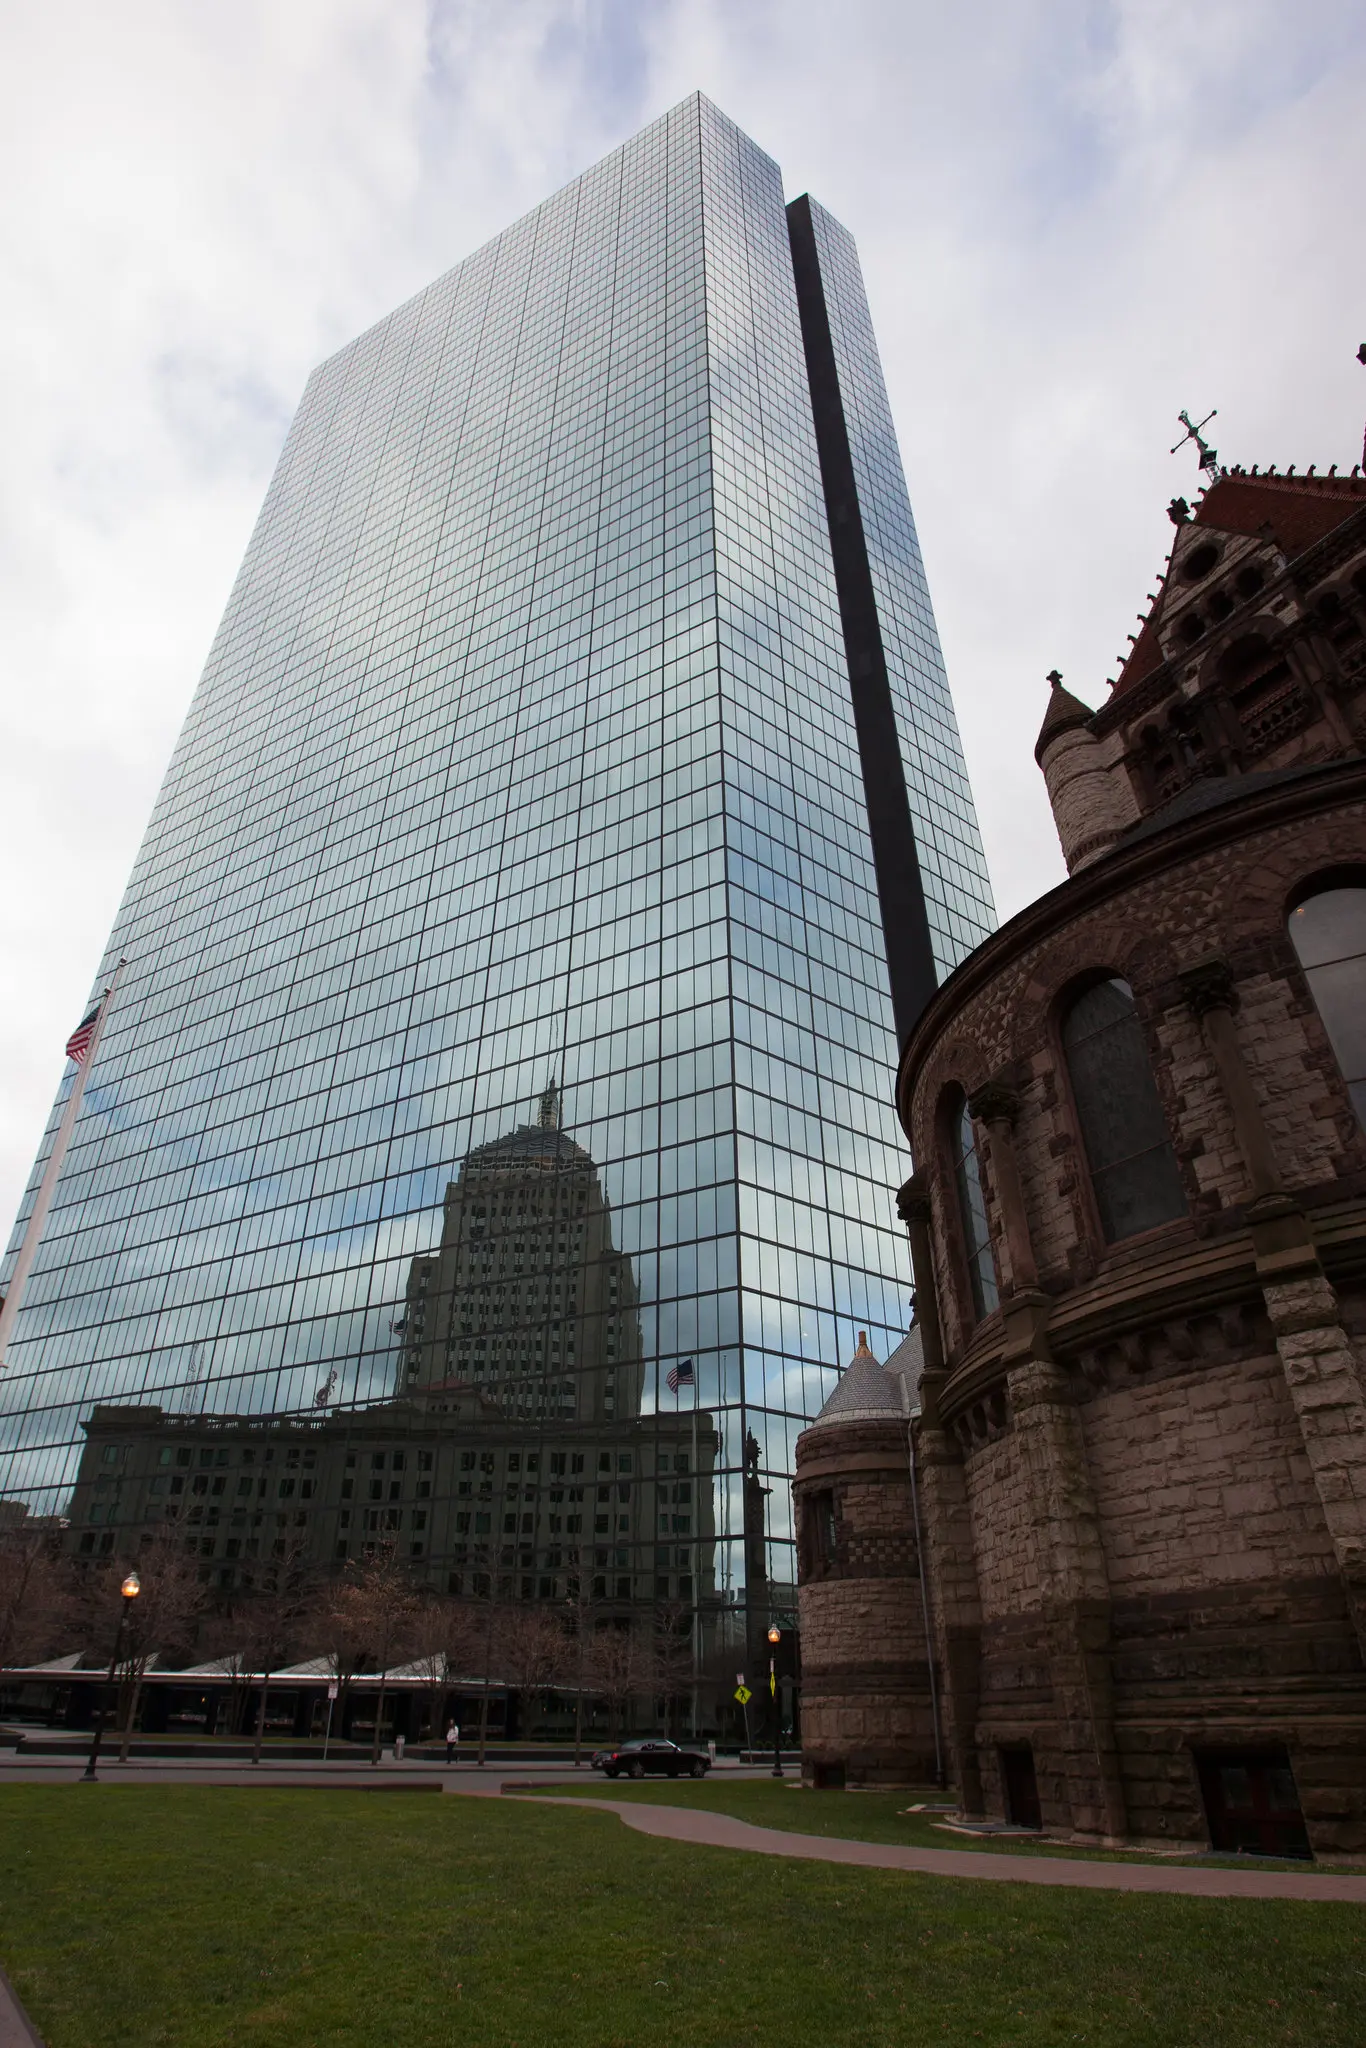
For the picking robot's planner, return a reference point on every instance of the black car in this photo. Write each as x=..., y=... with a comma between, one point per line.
x=655, y=1754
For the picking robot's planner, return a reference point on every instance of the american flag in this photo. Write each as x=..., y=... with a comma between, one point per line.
x=78, y=1045
x=680, y=1375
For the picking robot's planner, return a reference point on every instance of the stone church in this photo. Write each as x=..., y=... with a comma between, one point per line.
x=1104, y=1568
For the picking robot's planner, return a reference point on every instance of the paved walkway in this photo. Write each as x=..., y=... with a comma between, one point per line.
x=720, y=1831
x=712, y=1830
x=16, y=2028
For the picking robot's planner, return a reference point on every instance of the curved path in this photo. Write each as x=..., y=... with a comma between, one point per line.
x=721, y=1831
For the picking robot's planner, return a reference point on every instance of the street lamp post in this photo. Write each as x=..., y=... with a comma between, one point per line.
x=129, y=1590
x=775, y=1636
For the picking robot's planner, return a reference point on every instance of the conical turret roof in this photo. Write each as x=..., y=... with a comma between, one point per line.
x=1063, y=714
x=867, y=1391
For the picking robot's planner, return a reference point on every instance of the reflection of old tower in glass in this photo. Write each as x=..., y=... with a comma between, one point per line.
x=578, y=711
x=527, y=1298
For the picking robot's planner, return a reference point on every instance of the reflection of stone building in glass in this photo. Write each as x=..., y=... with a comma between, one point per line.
x=527, y=1298
x=473, y=1499
x=513, y=1456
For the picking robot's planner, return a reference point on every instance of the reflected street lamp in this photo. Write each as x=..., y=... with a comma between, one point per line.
x=775, y=1636
x=129, y=1590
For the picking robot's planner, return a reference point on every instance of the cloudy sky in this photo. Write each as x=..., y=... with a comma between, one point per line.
x=1075, y=217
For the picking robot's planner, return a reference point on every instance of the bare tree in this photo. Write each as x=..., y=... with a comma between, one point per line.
x=162, y=1618
x=666, y=1657
x=438, y=1639
x=477, y=1628
x=375, y=1605
x=221, y=1641
x=614, y=1669
x=579, y=1654
x=39, y=1606
x=531, y=1648
x=275, y=1618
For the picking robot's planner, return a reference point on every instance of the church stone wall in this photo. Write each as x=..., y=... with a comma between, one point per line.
x=1180, y=1573
x=1002, y=1511
x=1201, y=1480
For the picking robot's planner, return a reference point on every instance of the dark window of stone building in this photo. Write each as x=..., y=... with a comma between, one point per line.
x=1200, y=561
x=972, y=1209
x=819, y=1533
x=1251, y=1803
x=1328, y=931
x=1134, y=1173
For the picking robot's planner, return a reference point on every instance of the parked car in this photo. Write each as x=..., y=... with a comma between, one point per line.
x=655, y=1754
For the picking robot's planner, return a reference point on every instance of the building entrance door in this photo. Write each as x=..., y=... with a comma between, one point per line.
x=1021, y=1788
x=1251, y=1803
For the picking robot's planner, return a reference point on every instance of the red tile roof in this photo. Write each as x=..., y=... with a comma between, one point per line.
x=1295, y=511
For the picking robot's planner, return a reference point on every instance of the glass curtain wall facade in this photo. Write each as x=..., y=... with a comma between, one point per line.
x=507, y=1018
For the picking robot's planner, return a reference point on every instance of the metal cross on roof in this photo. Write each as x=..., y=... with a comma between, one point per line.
x=1209, y=457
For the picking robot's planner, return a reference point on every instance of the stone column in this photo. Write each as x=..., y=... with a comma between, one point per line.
x=1208, y=988
x=946, y=1523
x=997, y=1106
x=1075, y=1592
x=1082, y=1759
x=1073, y=1577
x=1318, y=1358
x=913, y=1207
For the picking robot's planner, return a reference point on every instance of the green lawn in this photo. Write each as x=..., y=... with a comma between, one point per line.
x=132, y=1917
x=856, y=1816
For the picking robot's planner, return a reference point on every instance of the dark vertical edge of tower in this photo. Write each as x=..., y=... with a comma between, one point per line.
x=901, y=895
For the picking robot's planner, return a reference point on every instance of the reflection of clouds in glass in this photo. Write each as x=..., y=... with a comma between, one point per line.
x=552, y=771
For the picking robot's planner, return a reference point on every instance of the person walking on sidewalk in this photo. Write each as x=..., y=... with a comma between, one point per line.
x=452, y=1742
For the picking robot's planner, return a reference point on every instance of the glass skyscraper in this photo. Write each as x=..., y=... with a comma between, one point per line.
x=570, y=816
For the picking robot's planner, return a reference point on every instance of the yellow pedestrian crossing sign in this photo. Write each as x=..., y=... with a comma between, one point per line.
x=743, y=1694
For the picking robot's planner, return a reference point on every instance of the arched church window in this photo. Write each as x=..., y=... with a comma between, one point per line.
x=1328, y=932
x=1134, y=1173
x=972, y=1207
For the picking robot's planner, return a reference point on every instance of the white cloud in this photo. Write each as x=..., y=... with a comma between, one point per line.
x=1074, y=218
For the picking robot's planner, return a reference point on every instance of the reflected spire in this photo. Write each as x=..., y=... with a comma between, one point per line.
x=548, y=1115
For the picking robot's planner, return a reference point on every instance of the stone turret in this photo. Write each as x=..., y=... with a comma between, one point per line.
x=1092, y=798
x=866, y=1701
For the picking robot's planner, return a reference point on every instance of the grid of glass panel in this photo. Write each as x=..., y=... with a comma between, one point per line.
x=506, y=1000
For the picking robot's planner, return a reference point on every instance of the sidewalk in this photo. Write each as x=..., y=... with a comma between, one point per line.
x=337, y=1774
x=719, y=1831
x=705, y=1828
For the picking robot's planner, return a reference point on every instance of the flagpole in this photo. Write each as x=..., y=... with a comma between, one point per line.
x=47, y=1186
x=696, y=1556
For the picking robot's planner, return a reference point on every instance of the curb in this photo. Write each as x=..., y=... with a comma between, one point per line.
x=16, y=2028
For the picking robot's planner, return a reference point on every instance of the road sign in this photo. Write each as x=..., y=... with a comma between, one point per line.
x=332, y=1690
x=742, y=1693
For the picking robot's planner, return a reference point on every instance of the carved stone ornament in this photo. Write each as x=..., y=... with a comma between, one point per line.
x=913, y=1200
x=1209, y=986
x=994, y=1103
